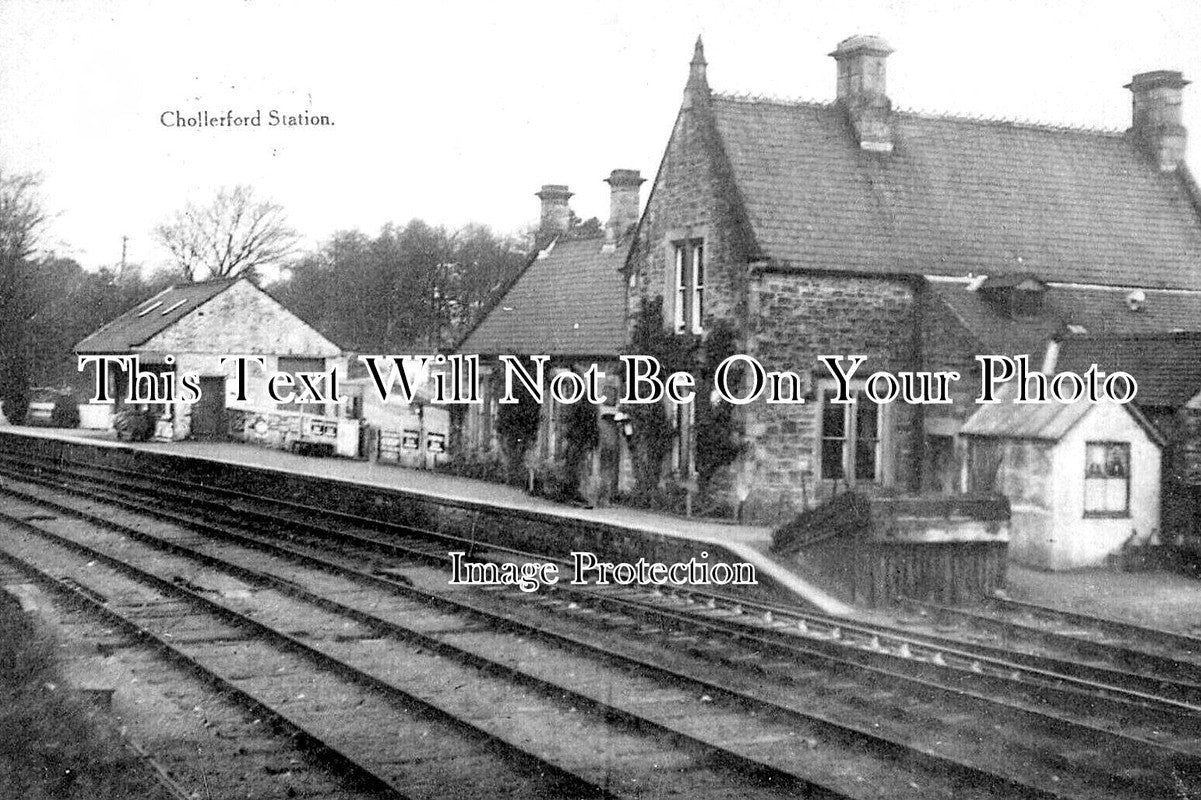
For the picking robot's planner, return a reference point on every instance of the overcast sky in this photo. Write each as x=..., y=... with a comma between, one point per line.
x=457, y=112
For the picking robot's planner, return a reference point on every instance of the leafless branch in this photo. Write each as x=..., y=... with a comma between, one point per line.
x=21, y=216
x=232, y=234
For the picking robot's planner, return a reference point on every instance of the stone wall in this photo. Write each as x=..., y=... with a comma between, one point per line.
x=948, y=344
x=242, y=320
x=475, y=522
x=931, y=547
x=794, y=319
x=784, y=319
x=694, y=196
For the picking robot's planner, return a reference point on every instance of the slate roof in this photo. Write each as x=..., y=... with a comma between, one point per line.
x=1167, y=366
x=1038, y=421
x=958, y=196
x=1043, y=421
x=148, y=319
x=572, y=302
x=1100, y=311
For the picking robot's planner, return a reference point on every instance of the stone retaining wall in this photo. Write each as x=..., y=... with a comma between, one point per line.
x=534, y=531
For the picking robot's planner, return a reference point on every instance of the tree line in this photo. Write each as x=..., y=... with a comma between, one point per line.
x=412, y=287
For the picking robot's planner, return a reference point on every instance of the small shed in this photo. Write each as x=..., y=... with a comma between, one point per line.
x=1083, y=479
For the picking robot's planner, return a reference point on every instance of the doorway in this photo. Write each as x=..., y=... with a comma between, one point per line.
x=208, y=413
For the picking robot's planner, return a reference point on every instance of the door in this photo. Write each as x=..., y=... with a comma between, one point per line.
x=208, y=413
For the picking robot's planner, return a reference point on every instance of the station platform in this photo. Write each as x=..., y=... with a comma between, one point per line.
x=722, y=541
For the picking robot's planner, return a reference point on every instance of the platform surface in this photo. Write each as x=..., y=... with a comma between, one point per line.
x=749, y=542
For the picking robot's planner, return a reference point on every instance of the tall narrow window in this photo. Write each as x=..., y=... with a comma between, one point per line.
x=867, y=438
x=681, y=286
x=1107, y=479
x=850, y=438
x=698, y=286
x=689, y=286
x=834, y=438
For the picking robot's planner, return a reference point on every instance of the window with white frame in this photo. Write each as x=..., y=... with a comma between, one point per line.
x=851, y=441
x=1107, y=479
x=689, y=266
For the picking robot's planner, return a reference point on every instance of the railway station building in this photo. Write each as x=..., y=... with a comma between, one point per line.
x=568, y=303
x=917, y=240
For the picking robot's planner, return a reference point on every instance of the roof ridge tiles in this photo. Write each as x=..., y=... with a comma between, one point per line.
x=1014, y=122
x=752, y=97
x=1186, y=335
x=925, y=113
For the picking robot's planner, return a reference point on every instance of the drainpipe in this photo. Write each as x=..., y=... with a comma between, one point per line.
x=918, y=451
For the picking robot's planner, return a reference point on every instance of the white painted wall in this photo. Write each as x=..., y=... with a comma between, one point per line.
x=1081, y=541
x=95, y=416
x=1025, y=476
x=1044, y=482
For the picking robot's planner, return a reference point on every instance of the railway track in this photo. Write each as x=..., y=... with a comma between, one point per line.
x=1167, y=658
x=688, y=704
x=1120, y=765
x=1043, y=679
x=245, y=753
x=340, y=711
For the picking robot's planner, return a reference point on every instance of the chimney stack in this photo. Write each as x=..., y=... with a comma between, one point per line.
x=862, y=91
x=556, y=214
x=623, y=199
x=1158, y=122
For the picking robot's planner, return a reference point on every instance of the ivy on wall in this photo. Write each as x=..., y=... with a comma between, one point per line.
x=652, y=430
x=517, y=429
x=717, y=443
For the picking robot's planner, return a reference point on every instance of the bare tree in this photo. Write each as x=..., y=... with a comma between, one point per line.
x=231, y=235
x=21, y=220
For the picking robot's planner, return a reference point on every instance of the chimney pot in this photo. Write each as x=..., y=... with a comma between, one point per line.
x=556, y=213
x=623, y=199
x=862, y=89
x=1157, y=120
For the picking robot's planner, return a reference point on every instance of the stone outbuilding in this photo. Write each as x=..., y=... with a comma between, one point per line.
x=1083, y=479
x=190, y=328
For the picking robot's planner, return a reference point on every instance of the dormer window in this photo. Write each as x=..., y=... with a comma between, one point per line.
x=1025, y=303
x=1017, y=296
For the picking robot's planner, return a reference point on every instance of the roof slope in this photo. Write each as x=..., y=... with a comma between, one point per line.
x=569, y=302
x=1100, y=311
x=1040, y=421
x=1006, y=418
x=1167, y=366
x=958, y=196
x=147, y=319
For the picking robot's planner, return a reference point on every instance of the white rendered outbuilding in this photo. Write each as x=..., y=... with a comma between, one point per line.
x=1083, y=479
